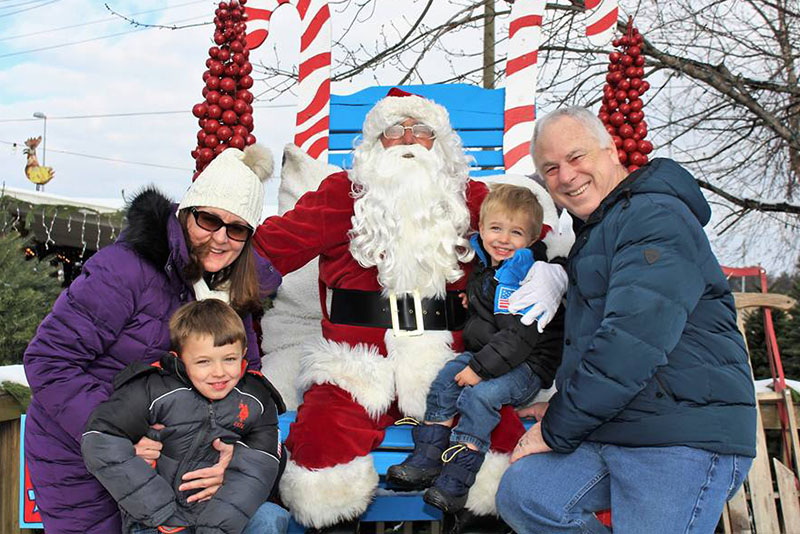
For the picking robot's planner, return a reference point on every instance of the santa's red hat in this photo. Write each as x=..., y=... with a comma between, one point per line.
x=399, y=105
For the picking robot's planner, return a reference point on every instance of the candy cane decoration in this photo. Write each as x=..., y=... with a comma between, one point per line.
x=314, y=85
x=601, y=20
x=525, y=34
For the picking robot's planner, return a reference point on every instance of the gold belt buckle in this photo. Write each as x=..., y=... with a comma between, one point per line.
x=396, y=319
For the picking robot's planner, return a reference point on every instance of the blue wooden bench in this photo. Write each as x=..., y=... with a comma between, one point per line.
x=387, y=505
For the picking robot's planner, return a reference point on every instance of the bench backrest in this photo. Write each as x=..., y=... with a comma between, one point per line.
x=475, y=113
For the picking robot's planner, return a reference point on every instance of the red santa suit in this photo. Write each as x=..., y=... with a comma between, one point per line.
x=357, y=380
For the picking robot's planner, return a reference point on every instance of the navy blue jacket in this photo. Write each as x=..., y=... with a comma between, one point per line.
x=652, y=354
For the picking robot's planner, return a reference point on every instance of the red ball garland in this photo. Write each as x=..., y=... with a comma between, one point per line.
x=621, y=111
x=225, y=114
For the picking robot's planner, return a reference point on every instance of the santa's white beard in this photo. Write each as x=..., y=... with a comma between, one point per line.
x=410, y=219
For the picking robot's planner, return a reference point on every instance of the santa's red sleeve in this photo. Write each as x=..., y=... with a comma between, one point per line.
x=319, y=221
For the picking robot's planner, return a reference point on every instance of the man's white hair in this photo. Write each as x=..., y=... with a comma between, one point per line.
x=588, y=119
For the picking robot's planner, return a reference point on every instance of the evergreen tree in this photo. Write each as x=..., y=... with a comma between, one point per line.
x=787, y=332
x=27, y=293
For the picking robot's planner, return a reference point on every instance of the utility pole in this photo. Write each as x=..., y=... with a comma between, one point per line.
x=488, y=44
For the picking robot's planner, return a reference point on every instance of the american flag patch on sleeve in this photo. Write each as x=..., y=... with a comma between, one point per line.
x=501, y=297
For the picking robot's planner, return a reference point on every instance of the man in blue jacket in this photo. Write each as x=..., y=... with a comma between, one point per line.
x=655, y=411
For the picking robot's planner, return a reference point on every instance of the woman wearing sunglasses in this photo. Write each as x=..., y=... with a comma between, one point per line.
x=117, y=312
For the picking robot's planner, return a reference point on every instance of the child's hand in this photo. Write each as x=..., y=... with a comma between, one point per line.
x=209, y=478
x=467, y=377
x=148, y=449
x=464, y=300
x=535, y=410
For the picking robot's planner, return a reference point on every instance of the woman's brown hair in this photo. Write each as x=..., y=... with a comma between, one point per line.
x=241, y=274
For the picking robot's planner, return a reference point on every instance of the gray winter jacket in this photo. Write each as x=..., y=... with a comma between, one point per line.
x=161, y=393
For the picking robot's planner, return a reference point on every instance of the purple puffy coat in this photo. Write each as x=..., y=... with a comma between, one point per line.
x=116, y=312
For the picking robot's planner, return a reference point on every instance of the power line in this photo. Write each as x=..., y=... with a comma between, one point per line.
x=98, y=21
x=115, y=160
x=136, y=114
x=46, y=3
x=62, y=45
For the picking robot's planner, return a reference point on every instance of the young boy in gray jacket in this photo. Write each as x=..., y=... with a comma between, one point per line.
x=200, y=393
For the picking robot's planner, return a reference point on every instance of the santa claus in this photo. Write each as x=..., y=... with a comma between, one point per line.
x=391, y=238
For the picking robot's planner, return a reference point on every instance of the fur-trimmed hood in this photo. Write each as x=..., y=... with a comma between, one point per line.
x=150, y=222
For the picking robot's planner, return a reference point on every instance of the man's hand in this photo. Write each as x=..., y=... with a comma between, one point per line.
x=543, y=288
x=531, y=442
x=149, y=449
x=536, y=410
x=467, y=377
x=209, y=478
x=464, y=300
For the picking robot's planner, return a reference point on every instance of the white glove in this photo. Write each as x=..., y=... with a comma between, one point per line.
x=543, y=288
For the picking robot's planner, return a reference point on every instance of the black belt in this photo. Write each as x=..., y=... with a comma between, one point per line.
x=370, y=308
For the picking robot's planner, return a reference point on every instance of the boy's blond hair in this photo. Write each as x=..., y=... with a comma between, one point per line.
x=514, y=200
x=210, y=317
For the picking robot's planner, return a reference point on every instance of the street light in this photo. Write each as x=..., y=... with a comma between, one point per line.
x=40, y=115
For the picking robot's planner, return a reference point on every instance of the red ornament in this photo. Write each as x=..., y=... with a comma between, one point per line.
x=199, y=110
x=645, y=147
x=211, y=126
x=211, y=141
x=251, y=140
x=228, y=85
x=626, y=130
x=246, y=82
x=616, y=118
x=205, y=155
x=623, y=156
x=220, y=147
x=229, y=117
x=224, y=54
x=629, y=145
x=240, y=130
x=240, y=106
x=224, y=133
x=237, y=141
x=214, y=111
x=636, y=116
x=212, y=82
x=213, y=97
x=244, y=94
x=246, y=120
x=226, y=102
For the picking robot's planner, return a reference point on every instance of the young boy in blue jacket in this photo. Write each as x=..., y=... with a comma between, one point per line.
x=199, y=394
x=505, y=361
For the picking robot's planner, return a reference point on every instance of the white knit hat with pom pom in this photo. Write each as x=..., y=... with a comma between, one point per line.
x=233, y=181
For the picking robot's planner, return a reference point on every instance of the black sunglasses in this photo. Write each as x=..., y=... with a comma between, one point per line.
x=212, y=223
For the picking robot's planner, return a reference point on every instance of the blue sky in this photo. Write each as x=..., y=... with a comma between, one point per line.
x=137, y=72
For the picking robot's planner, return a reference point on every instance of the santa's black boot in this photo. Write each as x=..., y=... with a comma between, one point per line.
x=449, y=492
x=423, y=465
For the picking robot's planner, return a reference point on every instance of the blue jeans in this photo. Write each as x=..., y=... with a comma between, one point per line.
x=478, y=405
x=268, y=519
x=657, y=490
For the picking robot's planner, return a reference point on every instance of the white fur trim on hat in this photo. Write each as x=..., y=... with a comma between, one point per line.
x=233, y=182
x=480, y=499
x=394, y=109
x=322, y=497
x=360, y=370
x=416, y=361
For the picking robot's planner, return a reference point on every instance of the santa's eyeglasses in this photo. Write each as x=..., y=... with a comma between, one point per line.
x=419, y=131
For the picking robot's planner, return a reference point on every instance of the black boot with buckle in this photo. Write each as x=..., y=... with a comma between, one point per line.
x=423, y=465
x=449, y=492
